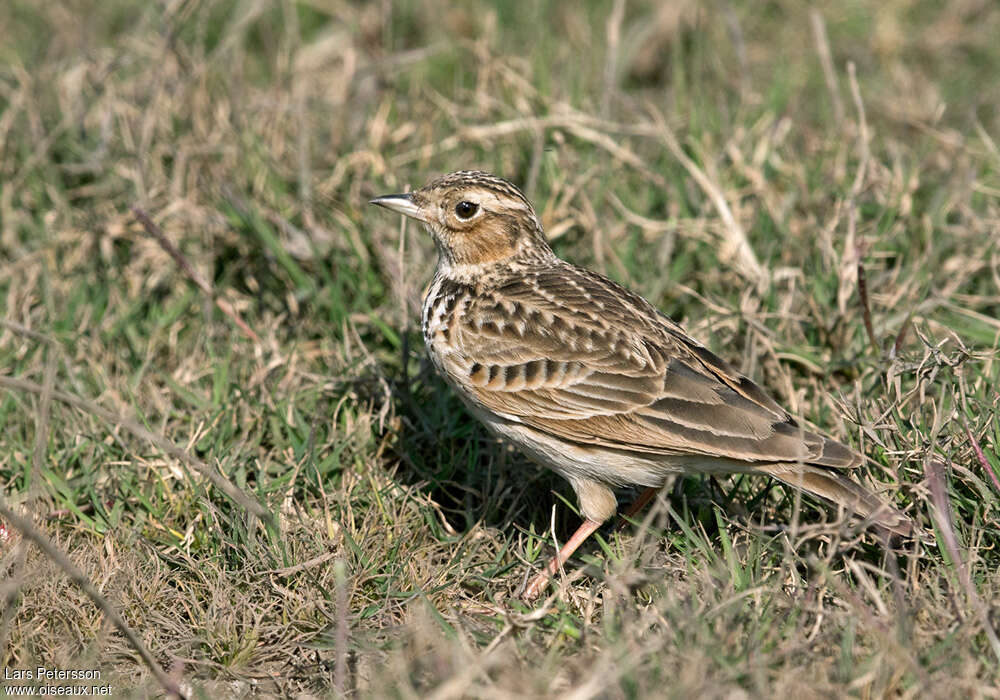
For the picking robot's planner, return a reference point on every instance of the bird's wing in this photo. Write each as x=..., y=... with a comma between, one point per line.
x=575, y=355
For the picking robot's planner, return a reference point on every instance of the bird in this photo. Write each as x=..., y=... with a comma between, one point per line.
x=588, y=378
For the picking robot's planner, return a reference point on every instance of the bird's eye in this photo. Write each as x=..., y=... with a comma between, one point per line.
x=466, y=210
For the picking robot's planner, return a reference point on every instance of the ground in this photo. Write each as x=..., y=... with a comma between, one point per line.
x=239, y=452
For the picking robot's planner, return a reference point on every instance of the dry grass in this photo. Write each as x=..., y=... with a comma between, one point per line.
x=305, y=509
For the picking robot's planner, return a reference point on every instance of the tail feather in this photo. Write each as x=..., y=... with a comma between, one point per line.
x=841, y=491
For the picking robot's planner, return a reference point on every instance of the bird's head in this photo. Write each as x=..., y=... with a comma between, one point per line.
x=477, y=219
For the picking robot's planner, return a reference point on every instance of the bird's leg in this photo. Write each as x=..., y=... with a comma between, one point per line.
x=638, y=504
x=585, y=530
x=536, y=584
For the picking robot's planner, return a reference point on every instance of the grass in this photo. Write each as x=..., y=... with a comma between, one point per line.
x=141, y=428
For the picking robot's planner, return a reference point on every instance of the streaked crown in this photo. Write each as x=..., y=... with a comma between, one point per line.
x=477, y=179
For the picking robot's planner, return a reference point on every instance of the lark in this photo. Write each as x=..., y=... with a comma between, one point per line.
x=588, y=378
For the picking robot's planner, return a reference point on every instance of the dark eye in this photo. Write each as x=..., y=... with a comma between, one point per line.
x=465, y=210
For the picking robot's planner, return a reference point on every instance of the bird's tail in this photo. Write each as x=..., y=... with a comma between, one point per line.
x=840, y=490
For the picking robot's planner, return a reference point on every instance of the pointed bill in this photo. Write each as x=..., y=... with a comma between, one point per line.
x=404, y=204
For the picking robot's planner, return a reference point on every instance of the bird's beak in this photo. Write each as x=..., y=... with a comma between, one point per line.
x=405, y=204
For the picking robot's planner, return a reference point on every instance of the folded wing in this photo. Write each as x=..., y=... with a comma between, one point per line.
x=574, y=355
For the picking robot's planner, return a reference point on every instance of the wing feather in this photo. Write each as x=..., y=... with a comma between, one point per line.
x=576, y=356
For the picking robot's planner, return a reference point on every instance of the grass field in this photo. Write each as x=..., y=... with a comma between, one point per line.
x=299, y=507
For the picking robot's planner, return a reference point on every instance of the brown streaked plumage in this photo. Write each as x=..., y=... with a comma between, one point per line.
x=590, y=379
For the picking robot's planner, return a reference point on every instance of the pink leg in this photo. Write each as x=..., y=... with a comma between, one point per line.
x=536, y=584
x=638, y=504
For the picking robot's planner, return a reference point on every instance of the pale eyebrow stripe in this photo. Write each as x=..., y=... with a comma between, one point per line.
x=511, y=202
